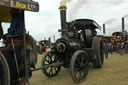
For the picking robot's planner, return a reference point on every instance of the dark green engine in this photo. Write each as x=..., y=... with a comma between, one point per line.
x=77, y=46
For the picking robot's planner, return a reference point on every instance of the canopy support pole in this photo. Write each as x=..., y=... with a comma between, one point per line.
x=25, y=53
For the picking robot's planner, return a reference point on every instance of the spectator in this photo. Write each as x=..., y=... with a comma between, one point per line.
x=110, y=47
x=106, y=50
x=121, y=48
x=118, y=47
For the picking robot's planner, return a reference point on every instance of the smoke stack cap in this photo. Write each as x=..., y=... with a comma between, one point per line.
x=62, y=8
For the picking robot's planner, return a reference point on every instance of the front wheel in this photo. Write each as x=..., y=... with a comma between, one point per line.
x=4, y=71
x=79, y=66
x=49, y=59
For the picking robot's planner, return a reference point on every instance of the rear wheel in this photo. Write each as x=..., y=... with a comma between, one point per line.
x=79, y=66
x=4, y=71
x=98, y=59
x=33, y=51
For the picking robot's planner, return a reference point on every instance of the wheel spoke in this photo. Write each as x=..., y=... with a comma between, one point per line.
x=78, y=60
x=76, y=68
x=46, y=60
x=49, y=59
x=85, y=62
x=50, y=70
x=52, y=57
x=50, y=54
x=79, y=75
x=46, y=68
x=82, y=59
x=82, y=73
x=76, y=64
x=55, y=69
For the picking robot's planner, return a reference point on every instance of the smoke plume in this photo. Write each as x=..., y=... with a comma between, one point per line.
x=76, y=7
x=125, y=16
x=80, y=3
x=109, y=21
x=64, y=2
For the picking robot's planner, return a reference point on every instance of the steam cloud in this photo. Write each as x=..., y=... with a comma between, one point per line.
x=75, y=8
x=64, y=2
x=109, y=21
x=79, y=3
x=126, y=16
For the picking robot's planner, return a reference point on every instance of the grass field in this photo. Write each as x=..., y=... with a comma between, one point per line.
x=114, y=72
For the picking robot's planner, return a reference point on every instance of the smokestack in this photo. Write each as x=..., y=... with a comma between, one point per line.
x=45, y=38
x=123, y=25
x=49, y=41
x=63, y=19
x=104, y=29
x=54, y=38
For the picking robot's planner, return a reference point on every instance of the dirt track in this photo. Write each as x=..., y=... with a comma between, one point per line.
x=114, y=72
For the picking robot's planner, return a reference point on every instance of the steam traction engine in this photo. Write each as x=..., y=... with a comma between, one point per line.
x=18, y=53
x=78, y=46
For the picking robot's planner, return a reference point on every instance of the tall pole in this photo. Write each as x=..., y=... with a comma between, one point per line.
x=54, y=38
x=49, y=41
x=123, y=25
x=25, y=53
x=45, y=38
x=104, y=29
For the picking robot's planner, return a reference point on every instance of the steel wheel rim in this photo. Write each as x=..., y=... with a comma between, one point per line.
x=80, y=66
x=51, y=70
x=2, y=73
x=101, y=52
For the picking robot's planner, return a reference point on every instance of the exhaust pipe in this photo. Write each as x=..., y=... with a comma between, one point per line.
x=123, y=25
x=63, y=19
x=104, y=29
x=49, y=41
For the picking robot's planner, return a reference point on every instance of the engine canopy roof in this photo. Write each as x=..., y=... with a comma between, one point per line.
x=86, y=22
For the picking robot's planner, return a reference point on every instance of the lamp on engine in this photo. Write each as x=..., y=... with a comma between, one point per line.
x=78, y=46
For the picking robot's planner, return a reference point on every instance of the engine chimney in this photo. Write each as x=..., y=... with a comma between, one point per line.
x=49, y=41
x=104, y=29
x=123, y=25
x=63, y=19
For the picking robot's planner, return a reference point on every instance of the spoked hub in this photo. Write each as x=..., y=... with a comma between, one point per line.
x=79, y=66
x=49, y=59
x=4, y=71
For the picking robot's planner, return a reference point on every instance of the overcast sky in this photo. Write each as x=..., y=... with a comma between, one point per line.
x=46, y=22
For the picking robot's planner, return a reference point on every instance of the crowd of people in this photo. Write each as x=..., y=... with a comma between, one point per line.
x=109, y=48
